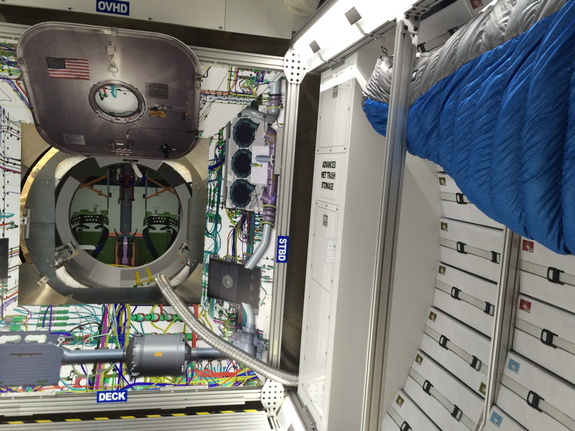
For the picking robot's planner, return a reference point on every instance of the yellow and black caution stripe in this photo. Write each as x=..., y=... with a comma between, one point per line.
x=97, y=416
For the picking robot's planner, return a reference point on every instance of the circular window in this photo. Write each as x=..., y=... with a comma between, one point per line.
x=117, y=101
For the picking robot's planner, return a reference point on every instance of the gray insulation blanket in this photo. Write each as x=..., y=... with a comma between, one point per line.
x=497, y=23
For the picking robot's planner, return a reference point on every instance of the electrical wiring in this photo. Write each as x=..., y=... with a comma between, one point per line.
x=8, y=60
x=108, y=326
x=18, y=92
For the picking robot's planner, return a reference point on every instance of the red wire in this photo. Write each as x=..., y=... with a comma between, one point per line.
x=21, y=88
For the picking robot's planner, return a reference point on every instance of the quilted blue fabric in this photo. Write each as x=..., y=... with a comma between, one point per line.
x=503, y=127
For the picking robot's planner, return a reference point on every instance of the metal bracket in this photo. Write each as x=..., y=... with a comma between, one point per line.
x=295, y=68
x=64, y=253
x=412, y=19
x=184, y=251
x=273, y=395
x=25, y=223
x=303, y=411
x=411, y=22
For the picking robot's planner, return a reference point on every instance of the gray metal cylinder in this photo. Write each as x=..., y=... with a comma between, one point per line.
x=157, y=355
x=207, y=353
x=92, y=356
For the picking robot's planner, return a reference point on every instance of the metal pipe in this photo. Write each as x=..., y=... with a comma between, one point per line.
x=198, y=354
x=231, y=351
x=92, y=356
x=262, y=247
x=393, y=173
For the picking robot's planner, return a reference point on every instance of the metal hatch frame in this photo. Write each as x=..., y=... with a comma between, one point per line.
x=285, y=153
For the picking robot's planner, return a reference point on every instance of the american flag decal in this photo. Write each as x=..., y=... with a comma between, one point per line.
x=68, y=68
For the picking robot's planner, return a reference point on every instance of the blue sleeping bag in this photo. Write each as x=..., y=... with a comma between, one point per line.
x=503, y=127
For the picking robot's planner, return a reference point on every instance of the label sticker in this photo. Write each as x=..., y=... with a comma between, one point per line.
x=528, y=246
x=157, y=113
x=476, y=3
x=115, y=7
x=73, y=139
x=525, y=305
x=112, y=396
x=282, y=249
x=514, y=366
x=496, y=419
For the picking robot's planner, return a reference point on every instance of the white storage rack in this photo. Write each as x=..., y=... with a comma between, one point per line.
x=499, y=333
x=455, y=379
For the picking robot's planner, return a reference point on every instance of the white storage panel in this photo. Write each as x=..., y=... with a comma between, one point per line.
x=404, y=414
x=445, y=399
x=536, y=398
x=460, y=349
x=544, y=334
x=471, y=247
x=456, y=205
x=547, y=275
x=466, y=297
x=498, y=420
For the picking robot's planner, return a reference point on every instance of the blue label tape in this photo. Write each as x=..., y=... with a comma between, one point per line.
x=112, y=396
x=282, y=249
x=115, y=7
x=496, y=419
x=514, y=366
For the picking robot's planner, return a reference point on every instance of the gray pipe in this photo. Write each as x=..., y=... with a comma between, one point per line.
x=229, y=350
x=207, y=353
x=117, y=355
x=92, y=356
x=273, y=107
x=261, y=248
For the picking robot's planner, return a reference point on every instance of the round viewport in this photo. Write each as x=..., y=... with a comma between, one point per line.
x=116, y=101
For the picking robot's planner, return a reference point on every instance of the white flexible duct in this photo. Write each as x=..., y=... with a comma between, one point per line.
x=250, y=315
x=181, y=276
x=229, y=350
x=64, y=276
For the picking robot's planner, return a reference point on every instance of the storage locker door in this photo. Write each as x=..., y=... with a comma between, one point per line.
x=405, y=415
x=547, y=276
x=446, y=400
x=471, y=247
x=468, y=298
x=458, y=348
x=544, y=334
x=534, y=397
x=498, y=420
x=456, y=206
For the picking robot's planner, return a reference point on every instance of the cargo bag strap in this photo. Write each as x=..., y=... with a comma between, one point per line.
x=535, y=401
x=546, y=336
x=401, y=424
x=552, y=274
x=473, y=361
x=464, y=248
x=459, y=198
x=453, y=409
x=457, y=293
